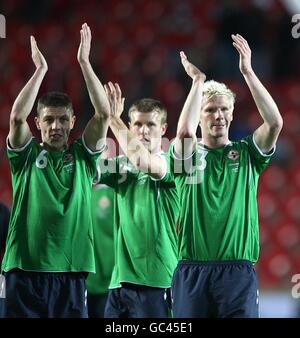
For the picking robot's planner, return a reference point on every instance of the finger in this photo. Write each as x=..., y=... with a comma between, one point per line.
x=183, y=56
x=89, y=33
x=242, y=38
x=239, y=39
x=111, y=87
x=84, y=33
x=118, y=90
x=237, y=47
x=33, y=42
x=106, y=89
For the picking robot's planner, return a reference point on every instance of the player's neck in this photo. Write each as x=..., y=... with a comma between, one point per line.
x=215, y=142
x=51, y=148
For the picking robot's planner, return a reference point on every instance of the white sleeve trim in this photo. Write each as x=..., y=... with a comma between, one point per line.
x=166, y=169
x=91, y=151
x=18, y=150
x=270, y=153
x=178, y=158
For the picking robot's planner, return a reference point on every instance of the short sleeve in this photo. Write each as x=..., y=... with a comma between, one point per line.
x=258, y=158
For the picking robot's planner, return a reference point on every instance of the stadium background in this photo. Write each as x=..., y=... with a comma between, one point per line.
x=137, y=43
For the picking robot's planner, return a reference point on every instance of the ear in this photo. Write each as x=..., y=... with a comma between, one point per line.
x=129, y=125
x=73, y=120
x=231, y=115
x=37, y=122
x=164, y=128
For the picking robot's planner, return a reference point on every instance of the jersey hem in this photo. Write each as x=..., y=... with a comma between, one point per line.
x=17, y=150
x=270, y=153
x=144, y=284
x=91, y=151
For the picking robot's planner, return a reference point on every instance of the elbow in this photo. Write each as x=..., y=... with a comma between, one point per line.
x=16, y=119
x=277, y=125
x=185, y=132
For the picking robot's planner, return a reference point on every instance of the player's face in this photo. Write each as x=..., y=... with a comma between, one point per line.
x=216, y=116
x=148, y=128
x=55, y=124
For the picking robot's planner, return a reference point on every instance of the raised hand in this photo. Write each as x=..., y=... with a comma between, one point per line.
x=190, y=69
x=241, y=45
x=85, y=44
x=37, y=56
x=116, y=101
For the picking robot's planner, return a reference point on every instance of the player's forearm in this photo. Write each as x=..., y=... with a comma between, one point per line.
x=264, y=101
x=190, y=115
x=26, y=98
x=96, y=91
x=189, y=120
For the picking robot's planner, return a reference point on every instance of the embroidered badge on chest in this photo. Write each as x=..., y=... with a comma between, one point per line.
x=68, y=162
x=67, y=158
x=233, y=155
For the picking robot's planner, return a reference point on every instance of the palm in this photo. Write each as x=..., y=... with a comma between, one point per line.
x=191, y=69
x=115, y=99
x=37, y=56
x=85, y=44
x=241, y=45
x=244, y=63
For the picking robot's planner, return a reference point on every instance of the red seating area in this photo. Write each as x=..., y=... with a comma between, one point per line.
x=137, y=44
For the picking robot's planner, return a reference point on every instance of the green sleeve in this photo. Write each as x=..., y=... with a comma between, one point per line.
x=107, y=171
x=258, y=158
x=18, y=157
x=90, y=156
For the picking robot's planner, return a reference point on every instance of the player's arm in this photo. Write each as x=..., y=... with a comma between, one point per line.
x=95, y=131
x=134, y=149
x=189, y=118
x=266, y=135
x=19, y=132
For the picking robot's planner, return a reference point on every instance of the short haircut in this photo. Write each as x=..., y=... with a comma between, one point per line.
x=55, y=99
x=211, y=88
x=148, y=105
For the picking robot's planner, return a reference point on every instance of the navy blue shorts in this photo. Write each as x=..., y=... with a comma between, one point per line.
x=45, y=294
x=96, y=304
x=217, y=289
x=138, y=301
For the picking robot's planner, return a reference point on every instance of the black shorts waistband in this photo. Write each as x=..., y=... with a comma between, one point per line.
x=215, y=262
x=69, y=274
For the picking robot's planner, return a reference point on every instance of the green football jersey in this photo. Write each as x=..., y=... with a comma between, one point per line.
x=102, y=215
x=217, y=190
x=145, y=220
x=51, y=226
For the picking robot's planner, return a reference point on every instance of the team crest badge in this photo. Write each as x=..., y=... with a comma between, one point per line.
x=233, y=155
x=68, y=158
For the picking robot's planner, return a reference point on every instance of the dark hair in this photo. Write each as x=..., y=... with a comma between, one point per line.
x=147, y=105
x=55, y=99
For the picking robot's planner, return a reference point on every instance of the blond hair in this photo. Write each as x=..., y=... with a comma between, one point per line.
x=211, y=88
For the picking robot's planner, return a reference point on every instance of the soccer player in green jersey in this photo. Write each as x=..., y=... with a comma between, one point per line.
x=49, y=249
x=217, y=183
x=146, y=212
x=102, y=216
